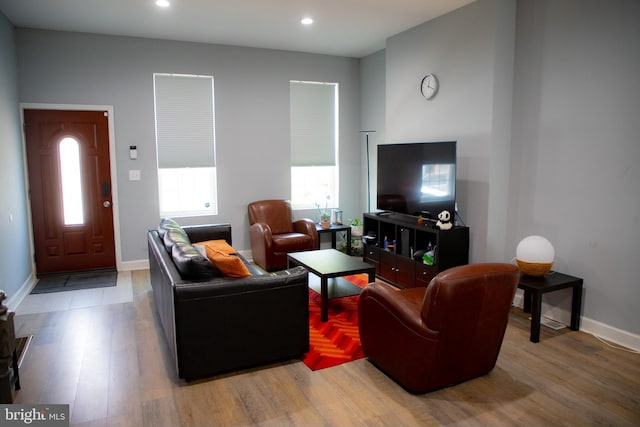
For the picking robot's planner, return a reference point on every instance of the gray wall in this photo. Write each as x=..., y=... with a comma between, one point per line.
x=576, y=146
x=252, y=116
x=544, y=101
x=15, y=261
x=372, y=118
x=471, y=52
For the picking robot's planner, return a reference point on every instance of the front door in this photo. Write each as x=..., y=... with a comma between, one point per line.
x=70, y=190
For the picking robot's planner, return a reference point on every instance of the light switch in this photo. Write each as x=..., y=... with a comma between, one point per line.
x=134, y=175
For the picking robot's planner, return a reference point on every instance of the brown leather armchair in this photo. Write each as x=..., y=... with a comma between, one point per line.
x=274, y=234
x=434, y=337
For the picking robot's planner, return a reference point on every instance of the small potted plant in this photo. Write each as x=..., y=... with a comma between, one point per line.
x=356, y=236
x=325, y=217
x=356, y=227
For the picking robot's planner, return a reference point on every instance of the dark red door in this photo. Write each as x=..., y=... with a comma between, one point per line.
x=70, y=189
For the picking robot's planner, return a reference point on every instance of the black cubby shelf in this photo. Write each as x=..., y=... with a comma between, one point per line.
x=399, y=263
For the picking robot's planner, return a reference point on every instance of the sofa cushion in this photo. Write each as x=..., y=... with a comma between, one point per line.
x=224, y=257
x=191, y=264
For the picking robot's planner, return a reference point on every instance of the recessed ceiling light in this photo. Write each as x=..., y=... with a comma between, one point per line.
x=162, y=3
x=306, y=21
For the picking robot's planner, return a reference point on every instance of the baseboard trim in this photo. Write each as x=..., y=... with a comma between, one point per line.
x=141, y=264
x=589, y=326
x=16, y=299
x=611, y=334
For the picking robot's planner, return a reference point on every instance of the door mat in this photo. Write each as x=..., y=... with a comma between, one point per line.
x=75, y=281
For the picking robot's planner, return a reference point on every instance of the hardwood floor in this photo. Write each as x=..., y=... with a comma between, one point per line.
x=110, y=364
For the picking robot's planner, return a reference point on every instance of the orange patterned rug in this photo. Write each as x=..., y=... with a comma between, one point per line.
x=337, y=340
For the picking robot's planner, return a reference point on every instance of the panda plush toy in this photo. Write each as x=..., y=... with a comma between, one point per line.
x=444, y=221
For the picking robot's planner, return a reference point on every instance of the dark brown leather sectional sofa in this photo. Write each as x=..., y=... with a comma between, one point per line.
x=215, y=324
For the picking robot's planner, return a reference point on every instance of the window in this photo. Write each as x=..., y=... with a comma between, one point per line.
x=185, y=143
x=314, y=144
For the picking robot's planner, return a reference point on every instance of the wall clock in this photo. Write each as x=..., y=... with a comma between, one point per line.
x=429, y=86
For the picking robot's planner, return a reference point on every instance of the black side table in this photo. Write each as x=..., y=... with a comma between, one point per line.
x=534, y=287
x=333, y=229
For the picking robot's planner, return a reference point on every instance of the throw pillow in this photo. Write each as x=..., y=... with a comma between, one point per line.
x=173, y=236
x=224, y=257
x=191, y=264
x=166, y=224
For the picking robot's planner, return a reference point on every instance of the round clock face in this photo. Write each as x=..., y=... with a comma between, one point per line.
x=429, y=86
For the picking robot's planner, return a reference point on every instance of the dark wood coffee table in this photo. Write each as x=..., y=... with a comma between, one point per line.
x=330, y=265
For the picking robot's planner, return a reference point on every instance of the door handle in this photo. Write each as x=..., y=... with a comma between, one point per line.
x=106, y=203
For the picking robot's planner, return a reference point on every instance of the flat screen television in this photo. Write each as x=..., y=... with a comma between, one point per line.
x=417, y=178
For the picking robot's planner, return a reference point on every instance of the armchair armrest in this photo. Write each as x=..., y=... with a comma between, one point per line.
x=381, y=303
x=308, y=227
x=261, y=243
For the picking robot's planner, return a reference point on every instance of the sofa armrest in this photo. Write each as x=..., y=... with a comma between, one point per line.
x=201, y=233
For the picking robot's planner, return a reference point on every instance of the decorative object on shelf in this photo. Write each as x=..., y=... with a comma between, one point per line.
x=429, y=256
x=444, y=221
x=535, y=255
x=420, y=220
x=336, y=216
x=429, y=86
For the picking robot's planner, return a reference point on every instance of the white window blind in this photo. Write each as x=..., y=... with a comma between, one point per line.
x=313, y=123
x=185, y=144
x=185, y=133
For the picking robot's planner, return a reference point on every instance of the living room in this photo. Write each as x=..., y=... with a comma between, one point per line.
x=540, y=95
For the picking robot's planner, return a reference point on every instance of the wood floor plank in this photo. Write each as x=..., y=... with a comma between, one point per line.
x=110, y=364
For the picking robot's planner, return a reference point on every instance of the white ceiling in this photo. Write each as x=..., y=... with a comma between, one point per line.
x=353, y=28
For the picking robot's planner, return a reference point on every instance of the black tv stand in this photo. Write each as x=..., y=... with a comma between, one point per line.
x=427, y=215
x=402, y=265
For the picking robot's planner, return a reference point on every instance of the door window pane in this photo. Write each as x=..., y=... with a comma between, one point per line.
x=71, y=181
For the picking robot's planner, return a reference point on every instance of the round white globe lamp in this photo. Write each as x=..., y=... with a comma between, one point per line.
x=534, y=255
